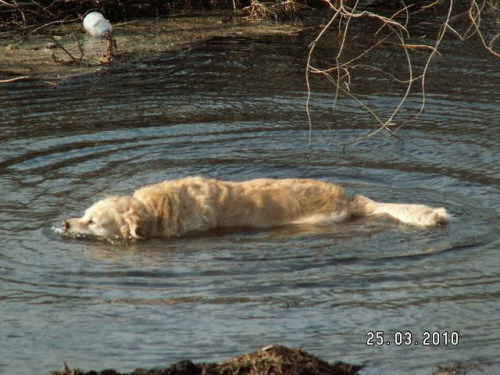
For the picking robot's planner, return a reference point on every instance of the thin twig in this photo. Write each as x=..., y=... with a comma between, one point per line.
x=21, y=78
x=64, y=49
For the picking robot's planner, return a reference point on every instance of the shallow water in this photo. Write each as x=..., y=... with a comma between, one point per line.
x=234, y=109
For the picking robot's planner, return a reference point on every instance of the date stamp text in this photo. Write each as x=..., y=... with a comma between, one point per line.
x=408, y=338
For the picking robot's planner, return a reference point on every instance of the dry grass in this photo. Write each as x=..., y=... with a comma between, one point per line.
x=274, y=11
x=280, y=360
x=270, y=360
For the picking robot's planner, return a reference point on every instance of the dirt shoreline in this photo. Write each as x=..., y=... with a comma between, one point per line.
x=65, y=51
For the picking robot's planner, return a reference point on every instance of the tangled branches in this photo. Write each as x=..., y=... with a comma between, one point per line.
x=402, y=31
x=31, y=15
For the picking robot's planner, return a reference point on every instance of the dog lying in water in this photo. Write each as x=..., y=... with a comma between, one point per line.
x=173, y=208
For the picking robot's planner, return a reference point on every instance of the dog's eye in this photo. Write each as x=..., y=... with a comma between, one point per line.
x=90, y=222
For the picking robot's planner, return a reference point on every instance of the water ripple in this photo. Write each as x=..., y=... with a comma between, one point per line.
x=221, y=293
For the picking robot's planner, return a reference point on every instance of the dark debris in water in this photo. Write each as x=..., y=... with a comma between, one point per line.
x=271, y=360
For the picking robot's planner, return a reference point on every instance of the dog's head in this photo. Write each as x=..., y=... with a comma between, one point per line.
x=124, y=217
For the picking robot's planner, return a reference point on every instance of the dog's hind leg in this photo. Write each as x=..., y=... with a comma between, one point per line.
x=413, y=214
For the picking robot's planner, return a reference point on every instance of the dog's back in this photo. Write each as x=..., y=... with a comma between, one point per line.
x=197, y=203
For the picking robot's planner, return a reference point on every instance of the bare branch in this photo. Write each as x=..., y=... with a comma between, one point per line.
x=393, y=31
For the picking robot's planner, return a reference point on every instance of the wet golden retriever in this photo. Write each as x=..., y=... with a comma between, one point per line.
x=173, y=208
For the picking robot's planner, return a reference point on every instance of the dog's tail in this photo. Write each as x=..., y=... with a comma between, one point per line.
x=413, y=214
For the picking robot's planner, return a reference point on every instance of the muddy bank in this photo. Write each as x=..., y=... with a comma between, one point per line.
x=276, y=360
x=65, y=50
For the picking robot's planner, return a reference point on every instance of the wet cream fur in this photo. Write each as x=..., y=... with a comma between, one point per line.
x=173, y=208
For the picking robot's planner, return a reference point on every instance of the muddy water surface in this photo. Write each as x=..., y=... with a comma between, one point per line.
x=234, y=109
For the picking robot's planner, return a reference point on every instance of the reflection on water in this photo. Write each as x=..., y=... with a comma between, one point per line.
x=235, y=110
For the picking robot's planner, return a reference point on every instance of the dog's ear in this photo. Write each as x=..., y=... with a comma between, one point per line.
x=134, y=230
x=138, y=232
x=134, y=225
